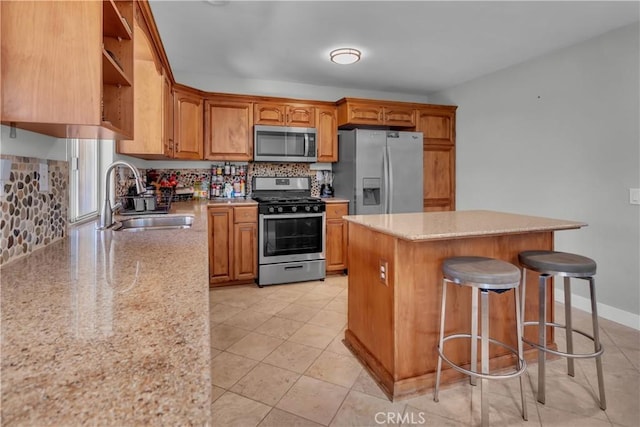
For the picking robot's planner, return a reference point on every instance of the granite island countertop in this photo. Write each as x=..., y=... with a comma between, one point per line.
x=458, y=224
x=109, y=328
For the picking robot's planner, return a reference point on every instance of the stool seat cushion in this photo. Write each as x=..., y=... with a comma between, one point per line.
x=481, y=270
x=557, y=262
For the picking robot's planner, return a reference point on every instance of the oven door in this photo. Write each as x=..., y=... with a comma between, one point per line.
x=291, y=237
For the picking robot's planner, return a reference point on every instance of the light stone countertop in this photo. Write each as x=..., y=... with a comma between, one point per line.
x=109, y=328
x=335, y=200
x=458, y=224
x=233, y=202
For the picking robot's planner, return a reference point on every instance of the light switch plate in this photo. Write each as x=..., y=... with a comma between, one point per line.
x=634, y=196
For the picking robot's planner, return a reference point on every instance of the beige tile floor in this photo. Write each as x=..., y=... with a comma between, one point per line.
x=278, y=360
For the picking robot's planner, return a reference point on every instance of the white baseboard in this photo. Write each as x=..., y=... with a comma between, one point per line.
x=605, y=311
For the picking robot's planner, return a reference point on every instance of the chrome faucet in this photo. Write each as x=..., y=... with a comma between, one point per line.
x=106, y=215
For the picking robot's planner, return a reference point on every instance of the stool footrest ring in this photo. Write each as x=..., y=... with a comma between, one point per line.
x=523, y=364
x=561, y=353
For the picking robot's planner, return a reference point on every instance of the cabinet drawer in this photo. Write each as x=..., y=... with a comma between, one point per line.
x=245, y=214
x=337, y=210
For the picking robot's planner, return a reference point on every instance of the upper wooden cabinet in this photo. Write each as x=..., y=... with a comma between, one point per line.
x=327, y=128
x=67, y=67
x=438, y=126
x=188, y=142
x=353, y=112
x=298, y=115
x=153, y=111
x=228, y=130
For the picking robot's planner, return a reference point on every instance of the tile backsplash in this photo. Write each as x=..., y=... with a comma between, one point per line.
x=186, y=177
x=32, y=216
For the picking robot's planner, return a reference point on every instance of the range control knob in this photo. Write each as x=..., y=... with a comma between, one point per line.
x=280, y=209
x=294, y=208
x=271, y=210
x=307, y=208
x=315, y=209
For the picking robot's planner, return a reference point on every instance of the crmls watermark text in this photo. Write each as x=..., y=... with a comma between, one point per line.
x=400, y=418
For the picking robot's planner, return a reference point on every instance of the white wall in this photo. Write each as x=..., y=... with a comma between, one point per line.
x=558, y=136
x=31, y=144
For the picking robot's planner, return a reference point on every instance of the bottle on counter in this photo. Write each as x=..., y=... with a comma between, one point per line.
x=227, y=168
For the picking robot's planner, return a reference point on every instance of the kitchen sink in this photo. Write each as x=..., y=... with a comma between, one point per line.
x=154, y=223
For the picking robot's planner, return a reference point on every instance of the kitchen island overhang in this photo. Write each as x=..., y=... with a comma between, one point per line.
x=395, y=285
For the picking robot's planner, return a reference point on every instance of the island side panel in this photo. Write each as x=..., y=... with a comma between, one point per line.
x=418, y=293
x=370, y=307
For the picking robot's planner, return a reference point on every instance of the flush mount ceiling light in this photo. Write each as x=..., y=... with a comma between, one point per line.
x=345, y=55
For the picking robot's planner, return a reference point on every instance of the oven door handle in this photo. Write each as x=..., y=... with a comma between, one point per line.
x=292, y=216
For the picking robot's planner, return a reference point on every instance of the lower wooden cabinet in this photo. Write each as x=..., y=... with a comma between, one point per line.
x=233, y=240
x=336, y=250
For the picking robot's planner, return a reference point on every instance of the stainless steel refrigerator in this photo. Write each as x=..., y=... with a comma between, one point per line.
x=379, y=171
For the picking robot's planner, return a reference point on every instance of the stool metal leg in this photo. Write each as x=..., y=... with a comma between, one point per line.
x=485, y=358
x=520, y=351
x=523, y=296
x=596, y=342
x=474, y=334
x=542, y=334
x=441, y=340
x=568, y=325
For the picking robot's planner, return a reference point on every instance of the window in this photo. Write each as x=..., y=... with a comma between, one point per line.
x=84, y=170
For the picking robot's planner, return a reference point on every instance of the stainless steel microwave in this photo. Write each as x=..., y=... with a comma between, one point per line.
x=284, y=144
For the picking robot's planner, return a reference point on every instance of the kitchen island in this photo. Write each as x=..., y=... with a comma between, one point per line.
x=395, y=289
x=109, y=328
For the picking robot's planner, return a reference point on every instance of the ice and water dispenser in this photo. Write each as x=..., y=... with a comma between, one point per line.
x=371, y=191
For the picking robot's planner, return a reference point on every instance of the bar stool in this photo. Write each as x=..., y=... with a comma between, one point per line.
x=481, y=275
x=567, y=265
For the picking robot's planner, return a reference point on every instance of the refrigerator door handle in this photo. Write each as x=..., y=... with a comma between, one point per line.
x=389, y=180
x=386, y=181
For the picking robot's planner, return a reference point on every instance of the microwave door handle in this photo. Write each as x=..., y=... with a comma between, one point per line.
x=306, y=144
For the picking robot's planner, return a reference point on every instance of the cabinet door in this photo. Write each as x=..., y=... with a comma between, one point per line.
x=269, y=114
x=148, y=99
x=228, y=130
x=437, y=126
x=364, y=114
x=336, y=251
x=188, y=126
x=399, y=116
x=167, y=116
x=220, y=228
x=300, y=116
x=245, y=254
x=327, y=126
x=439, y=177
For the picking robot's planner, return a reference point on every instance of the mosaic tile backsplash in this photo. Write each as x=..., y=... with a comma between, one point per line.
x=32, y=218
x=186, y=177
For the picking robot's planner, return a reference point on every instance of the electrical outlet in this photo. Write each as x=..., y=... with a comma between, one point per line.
x=384, y=272
x=634, y=196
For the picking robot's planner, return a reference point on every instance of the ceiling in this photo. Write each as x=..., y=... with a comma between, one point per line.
x=414, y=47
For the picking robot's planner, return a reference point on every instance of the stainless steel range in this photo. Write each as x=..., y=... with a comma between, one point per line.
x=291, y=230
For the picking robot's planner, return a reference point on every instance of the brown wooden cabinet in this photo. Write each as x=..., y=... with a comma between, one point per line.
x=233, y=239
x=327, y=128
x=188, y=142
x=437, y=124
x=336, y=251
x=67, y=68
x=153, y=111
x=298, y=115
x=228, y=130
x=353, y=112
